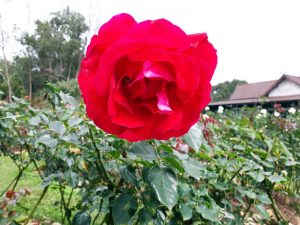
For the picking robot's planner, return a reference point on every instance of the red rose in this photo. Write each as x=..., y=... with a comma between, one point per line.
x=146, y=80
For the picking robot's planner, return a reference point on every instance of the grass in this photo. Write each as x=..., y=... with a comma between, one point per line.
x=48, y=210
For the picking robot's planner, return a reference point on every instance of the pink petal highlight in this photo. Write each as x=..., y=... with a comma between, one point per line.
x=156, y=70
x=163, y=102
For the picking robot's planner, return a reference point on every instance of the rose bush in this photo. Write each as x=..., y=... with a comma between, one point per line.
x=231, y=174
x=146, y=80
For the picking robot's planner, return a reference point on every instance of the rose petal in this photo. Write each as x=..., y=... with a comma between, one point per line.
x=158, y=34
x=163, y=101
x=135, y=89
x=127, y=120
x=185, y=68
x=156, y=70
x=111, y=31
x=204, y=51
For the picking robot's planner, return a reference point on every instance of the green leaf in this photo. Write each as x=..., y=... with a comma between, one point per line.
x=276, y=178
x=166, y=148
x=14, y=223
x=67, y=99
x=128, y=174
x=48, y=180
x=73, y=121
x=72, y=138
x=264, y=198
x=250, y=194
x=175, y=163
x=194, y=137
x=142, y=150
x=81, y=218
x=221, y=186
x=210, y=214
x=144, y=217
x=44, y=118
x=201, y=191
x=160, y=218
x=193, y=168
x=205, y=156
x=257, y=175
x=72, y=178
x=239, y=147
x=34, y=121
x=164, y=183
x=124, y=207
x=262, y=211
x=186, y=211
x=47, y=140
x=58, y=127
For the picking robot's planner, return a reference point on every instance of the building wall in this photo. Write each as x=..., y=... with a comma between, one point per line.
x=285, y=88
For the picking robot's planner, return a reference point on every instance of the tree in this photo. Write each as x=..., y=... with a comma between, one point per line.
x=5, y=74
x=59, y=44
x=223, y=90
x=54, y=51
x=26, y=65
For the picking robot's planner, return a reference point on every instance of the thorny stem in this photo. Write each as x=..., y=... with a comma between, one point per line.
x=4, y=148
x=31, y=157
x=70, y=197
x=15, y=180
x=20, y=175
x=275, y=208
x=247, y=210
x=236, y=173
x=99, y=158
x=36, y=205
x=106, y=217
x=8, y=186
x=67, y=210
x=98, y=213
x=18, y=178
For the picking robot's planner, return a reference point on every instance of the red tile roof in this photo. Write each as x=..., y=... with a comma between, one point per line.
x=256, y=90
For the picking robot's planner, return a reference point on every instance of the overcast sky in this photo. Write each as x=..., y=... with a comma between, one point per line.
x=257, y=40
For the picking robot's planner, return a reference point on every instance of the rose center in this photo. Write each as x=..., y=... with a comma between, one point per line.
x=146, y=85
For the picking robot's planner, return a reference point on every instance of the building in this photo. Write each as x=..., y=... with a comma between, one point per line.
x=284, y=91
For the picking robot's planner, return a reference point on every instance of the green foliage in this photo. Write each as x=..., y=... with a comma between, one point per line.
x=52, y=53
x=16, y=81
x=234, y=163
x=69, y=87
x=223, y=90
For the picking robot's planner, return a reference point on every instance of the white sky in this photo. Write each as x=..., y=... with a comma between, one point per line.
x=257, y=40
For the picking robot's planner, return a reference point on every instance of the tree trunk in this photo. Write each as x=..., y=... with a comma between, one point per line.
x=69, y=72
x=61, y=67
x=7, y=76
x=50, y=67
x=29, y=80
x=78, y=66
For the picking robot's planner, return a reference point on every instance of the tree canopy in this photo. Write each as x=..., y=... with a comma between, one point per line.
x=51, y=53
x=223, y=90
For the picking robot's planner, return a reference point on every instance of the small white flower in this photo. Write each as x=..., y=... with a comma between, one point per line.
x=220, y=109
x=292, y=110
x=258, y=116
x=207, y=108
x=276, y=113
x=184, y=148
x=284, y=172
x=263, y=111
x=205, y=116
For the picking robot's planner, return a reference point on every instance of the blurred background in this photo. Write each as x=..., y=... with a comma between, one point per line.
x=45, y=40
